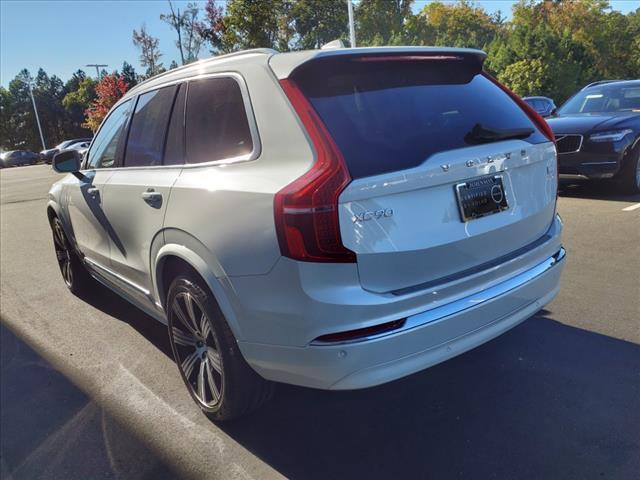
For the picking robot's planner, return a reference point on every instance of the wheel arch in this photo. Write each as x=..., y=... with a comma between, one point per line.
x=174, y=255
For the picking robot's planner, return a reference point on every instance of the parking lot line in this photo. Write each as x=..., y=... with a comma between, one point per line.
x=630, y=208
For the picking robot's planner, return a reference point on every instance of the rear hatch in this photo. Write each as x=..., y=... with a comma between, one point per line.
x=449, y=174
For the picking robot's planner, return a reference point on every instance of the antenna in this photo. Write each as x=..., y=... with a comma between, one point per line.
x=97, y=65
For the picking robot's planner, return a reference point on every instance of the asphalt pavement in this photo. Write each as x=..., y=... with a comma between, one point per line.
x=89, y=389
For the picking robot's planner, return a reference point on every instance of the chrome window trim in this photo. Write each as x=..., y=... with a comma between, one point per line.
x=248, y=107
x=459, y=306
x=560, y=136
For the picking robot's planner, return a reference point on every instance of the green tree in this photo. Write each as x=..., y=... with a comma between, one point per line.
x=256, y=24
x=129, y=74
x=76, y=103
x=382, y=22
x=317, y=22
x=526, y=77
x=74, y=82
x=8, y=128
x=456, y=25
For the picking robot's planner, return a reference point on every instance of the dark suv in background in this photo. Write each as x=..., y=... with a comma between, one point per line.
x=598, y=133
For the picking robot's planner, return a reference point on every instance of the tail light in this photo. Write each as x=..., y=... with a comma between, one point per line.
x=538, y=121
x=306, y=210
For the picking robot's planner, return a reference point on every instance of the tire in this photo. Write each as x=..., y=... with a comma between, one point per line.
x=74, y=274
x=630, y=174
x=211, y=365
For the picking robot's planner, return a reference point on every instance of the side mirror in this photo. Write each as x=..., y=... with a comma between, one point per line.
x=67, y=161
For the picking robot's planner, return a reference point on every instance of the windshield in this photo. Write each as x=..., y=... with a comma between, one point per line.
x=604, y=98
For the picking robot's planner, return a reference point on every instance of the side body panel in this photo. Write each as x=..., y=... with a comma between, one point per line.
x=228, y=208
x=83, y=202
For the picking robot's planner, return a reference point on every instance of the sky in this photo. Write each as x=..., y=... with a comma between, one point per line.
x=62, y=36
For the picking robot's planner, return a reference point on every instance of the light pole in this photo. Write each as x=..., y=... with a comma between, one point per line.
x=35, y=110
x=352, y=30
x=97, y=65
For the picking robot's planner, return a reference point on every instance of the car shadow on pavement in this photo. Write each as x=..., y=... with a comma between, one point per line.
x=112, y=304
x=50, y=429
x=545, y=400
x=595, y=190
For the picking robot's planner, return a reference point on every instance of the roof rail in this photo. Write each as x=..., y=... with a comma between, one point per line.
x=266, y=51
x=600, y=82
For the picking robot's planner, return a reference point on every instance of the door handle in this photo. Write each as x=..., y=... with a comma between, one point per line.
x=152, y=197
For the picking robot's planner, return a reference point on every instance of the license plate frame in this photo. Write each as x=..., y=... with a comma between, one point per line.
x=481, y=197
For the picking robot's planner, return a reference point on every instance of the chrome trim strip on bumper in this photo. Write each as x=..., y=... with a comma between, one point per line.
x=599, y=163
x=465, y=303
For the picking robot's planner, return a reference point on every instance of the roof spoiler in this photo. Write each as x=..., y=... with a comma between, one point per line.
x=283, y=65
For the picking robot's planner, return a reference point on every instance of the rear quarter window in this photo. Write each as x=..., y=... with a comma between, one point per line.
x=217, y=127
x=391, y=116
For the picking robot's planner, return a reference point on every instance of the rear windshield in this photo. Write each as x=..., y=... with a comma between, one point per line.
x=392, y=115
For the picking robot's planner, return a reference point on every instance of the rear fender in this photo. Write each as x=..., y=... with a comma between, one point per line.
x=187, y=248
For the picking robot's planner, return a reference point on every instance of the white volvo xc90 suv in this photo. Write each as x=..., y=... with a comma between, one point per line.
x=333, y=218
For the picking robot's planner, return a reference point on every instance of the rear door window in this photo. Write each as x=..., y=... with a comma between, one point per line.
x=217, y=127
x=393, y=115
x=148, y=128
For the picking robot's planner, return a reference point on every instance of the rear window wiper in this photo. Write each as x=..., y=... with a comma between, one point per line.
x=482, y=134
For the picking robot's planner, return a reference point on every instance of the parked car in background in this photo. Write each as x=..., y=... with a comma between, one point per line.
x=544, y=106
x=598, y=133
x=334, y=219
x=15, y=158
x=80, y=147
x=47, y=155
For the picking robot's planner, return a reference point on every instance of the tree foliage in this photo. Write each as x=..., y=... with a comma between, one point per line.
x=256, y=24
x=461, y=25
x=187, y=28
x=211, y=28
x=108, y=91
x=149, y=51
x=316, y=22
x=548, y=48
x=381, y=22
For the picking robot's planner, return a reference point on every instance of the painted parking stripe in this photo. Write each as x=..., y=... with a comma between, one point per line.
x=631, y=208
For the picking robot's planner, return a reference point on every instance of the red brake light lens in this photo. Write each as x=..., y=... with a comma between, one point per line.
x=306, y=210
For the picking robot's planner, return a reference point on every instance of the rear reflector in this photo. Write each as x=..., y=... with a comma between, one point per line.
x=306, y=210
x=360, y=333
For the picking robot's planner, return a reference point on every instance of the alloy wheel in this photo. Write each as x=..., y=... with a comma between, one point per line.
x=63, y=253
x=638, y=174
x=197, y=349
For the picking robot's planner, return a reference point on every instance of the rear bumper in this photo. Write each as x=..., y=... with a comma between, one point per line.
x=426, y=339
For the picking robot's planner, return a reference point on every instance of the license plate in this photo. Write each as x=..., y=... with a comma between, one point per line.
x=481, y=197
